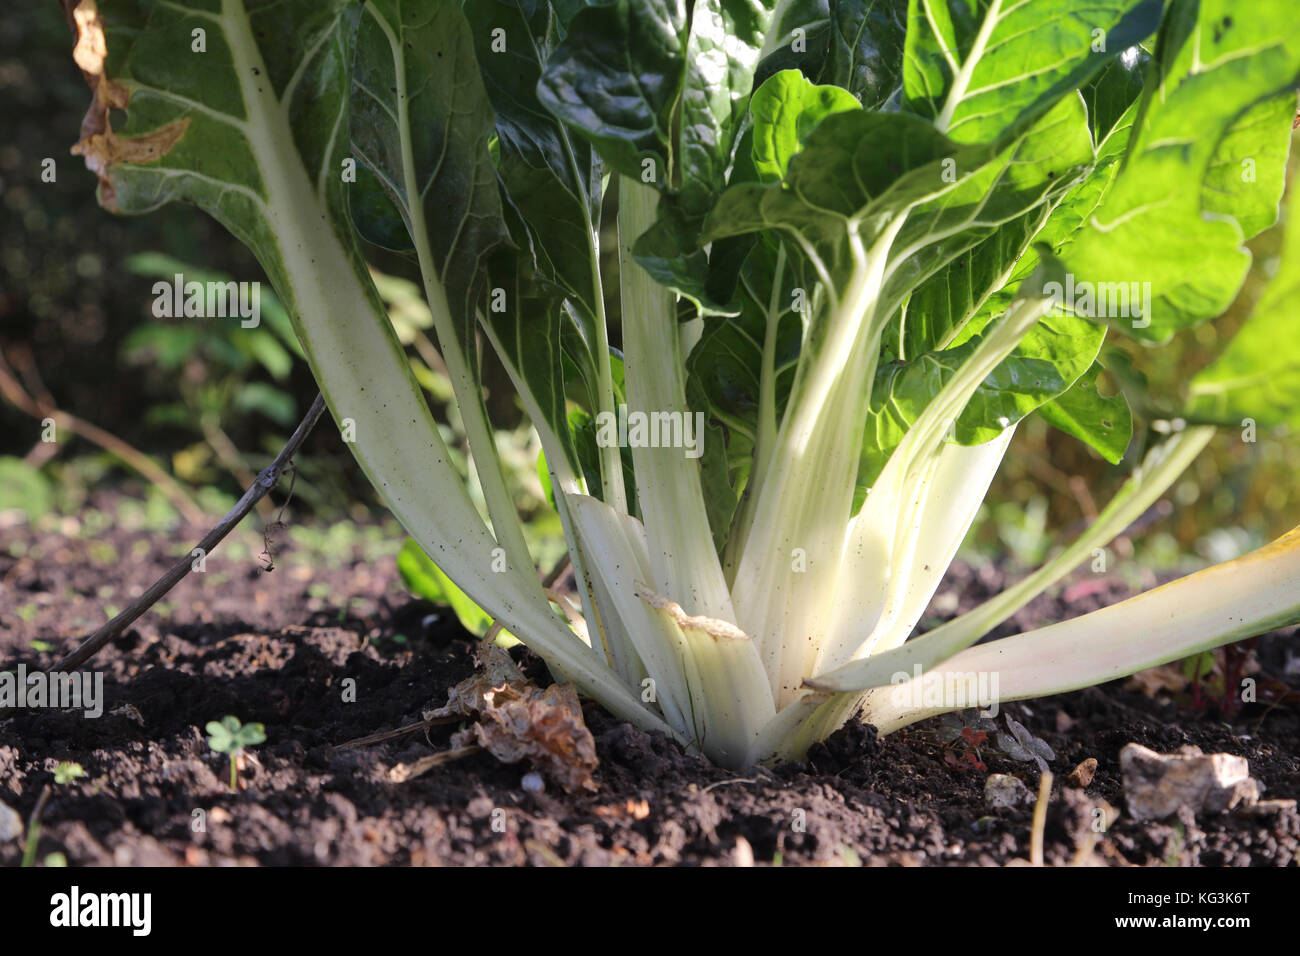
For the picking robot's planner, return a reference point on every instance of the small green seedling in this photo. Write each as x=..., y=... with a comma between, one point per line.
x=229, y=736
x=67, y=771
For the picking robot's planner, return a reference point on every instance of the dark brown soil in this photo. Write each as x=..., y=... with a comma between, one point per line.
x=262, y=646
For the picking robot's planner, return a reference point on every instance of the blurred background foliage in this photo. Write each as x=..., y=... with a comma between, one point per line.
x=211, y=402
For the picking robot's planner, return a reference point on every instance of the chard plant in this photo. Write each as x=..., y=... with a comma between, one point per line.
x=859, y=241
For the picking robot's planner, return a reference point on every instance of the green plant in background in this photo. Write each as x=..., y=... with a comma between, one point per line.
x=228, y=736
x=859, y=244
x=213, y=364
x=67, y=772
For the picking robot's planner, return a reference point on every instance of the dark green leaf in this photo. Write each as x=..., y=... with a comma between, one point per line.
x=421, y=121
x=616, y=79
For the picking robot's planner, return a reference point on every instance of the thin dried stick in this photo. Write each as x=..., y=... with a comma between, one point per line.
x=258, y=490
x=1040, y=819
x=409, y=771
x=390, y=734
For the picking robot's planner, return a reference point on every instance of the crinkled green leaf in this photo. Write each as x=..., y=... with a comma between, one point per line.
x=1219, y=77
x=798, y=39
x=785, y=110
x=723, y=50
x=986, y=70
x=1011, y=191
x=616, y=79
x=866, y=49
x=552, y=176
x=1258, y=375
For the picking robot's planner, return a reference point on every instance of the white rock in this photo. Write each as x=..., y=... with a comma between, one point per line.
x=1156, y=785
x=1004, y=790
x=11, y=824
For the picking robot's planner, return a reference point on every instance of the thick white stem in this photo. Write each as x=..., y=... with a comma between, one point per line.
x=669, y=492
x=1225, y=603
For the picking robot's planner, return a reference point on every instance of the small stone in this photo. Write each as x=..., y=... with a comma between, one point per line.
x=1004, y=790
x=11, y=824
x=1156, y=785
x=533, y=782
x=1082, y=775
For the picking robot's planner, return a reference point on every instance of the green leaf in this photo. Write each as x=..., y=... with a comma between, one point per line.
x=663, y=93
x=1258, y=375
x=723, y=49
x=231, y=737
x=270, y=401
x=534, y=329
x=1012, y=191
x=24, y=488
x=421, y=120
x=1111, y=93
x=785, y=110
x=617, y=77
x=798, y=39
x=670, y=252
x=553, y=178
x=852, y=165
x=726, y=363
x=266, y=348
x=1104, y=422
x=866, y=49
x=1047, y=361
x=252, y=734
x=1219, y=76
x=583, y=428
x=425, y=579
x=987, y=70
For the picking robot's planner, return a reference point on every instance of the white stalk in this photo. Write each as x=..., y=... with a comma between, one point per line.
x=365, y=377
x=620, y=563
x=1224, y=603
x=685, y=563
x=868, y=574
x=954, y=493
x=732, y=701
x=1161, y=468
x=794, y=540
x=469, y=399
x=619, y=656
